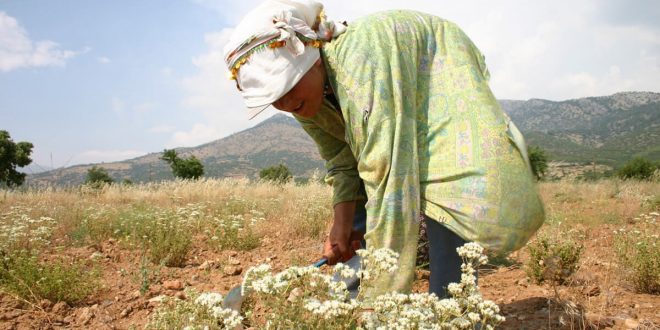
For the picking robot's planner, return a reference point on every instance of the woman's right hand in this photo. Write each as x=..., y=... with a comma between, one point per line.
x=342, y=241
x=337, y=249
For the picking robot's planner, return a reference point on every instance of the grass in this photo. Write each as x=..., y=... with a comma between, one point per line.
x=638, y=252
x=57, y=280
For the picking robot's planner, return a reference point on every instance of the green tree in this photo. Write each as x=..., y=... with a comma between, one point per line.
x=638, y=168
x=279, y=174
x=13, y=155
x=539, y=161
x=184, y=168
x=98, y=176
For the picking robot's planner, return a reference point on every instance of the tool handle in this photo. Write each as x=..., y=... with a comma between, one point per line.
x=321, y=262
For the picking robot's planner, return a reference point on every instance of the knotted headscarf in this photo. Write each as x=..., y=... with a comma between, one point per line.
x=274, y=46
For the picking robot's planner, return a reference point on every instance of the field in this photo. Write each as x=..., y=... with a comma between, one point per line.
x=104, y=258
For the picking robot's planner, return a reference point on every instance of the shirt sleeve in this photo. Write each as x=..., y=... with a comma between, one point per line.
x=326, y=130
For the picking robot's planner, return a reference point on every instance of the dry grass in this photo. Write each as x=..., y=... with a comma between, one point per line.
x=595, y=203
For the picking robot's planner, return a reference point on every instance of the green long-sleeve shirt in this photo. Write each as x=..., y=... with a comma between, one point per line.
x=420, y=126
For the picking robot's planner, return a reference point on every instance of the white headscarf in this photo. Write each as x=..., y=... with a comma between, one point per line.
x=274, y=46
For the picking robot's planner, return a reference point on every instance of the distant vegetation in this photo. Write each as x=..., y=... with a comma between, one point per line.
x=13, y=155
x=184, y=168
x=638, y=168
x=539, y=161
x=277, y=174
x=98, y=176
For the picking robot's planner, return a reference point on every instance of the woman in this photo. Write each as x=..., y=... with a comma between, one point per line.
x=398, y=101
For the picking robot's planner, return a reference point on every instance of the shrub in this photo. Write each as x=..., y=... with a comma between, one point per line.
x=553, y=259
x=638, y=252
x=638, y=168
x=277, y=174
x=233, y=233
x=539, y=161
x=168, y=241
x=184, y=168
x=56, y=280
x=97, y=177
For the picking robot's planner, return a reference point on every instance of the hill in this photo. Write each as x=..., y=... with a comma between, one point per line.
x=277, y=140
x=606, y=130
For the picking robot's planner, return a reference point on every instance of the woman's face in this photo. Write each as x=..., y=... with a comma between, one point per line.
x=306, y=97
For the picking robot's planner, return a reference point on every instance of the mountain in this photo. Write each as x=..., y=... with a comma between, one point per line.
x=276, y=140
x=605, y=130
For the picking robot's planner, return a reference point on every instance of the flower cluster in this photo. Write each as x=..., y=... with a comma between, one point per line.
x=19, y=230
x=306, y=288
x=376, y=262
x=466, y=309
x=201, y=311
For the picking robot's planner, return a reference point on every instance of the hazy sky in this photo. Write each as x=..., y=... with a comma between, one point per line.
x=89, y=81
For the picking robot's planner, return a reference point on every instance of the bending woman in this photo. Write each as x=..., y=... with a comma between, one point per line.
x=397, y=102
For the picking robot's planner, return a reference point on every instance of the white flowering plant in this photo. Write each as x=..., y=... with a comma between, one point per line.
x=304, y=297
x=197, y=312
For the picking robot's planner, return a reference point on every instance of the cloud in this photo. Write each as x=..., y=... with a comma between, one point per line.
x=199, y=134
x=214, y=96
x=103, y=60
x=18, y=51
x=143, y=107
x=162, y=129
x=121, y=108
x=98, y=156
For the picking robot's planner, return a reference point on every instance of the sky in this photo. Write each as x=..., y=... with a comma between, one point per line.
x=90, y=81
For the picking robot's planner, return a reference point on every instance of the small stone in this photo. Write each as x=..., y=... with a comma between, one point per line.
x=134, y=295
x=96, y=255
x=180, y=295
x=630, y=323
x=155, y=301
x=235, y=262
x=85, y=315
x=233, y=270
x=106, y=319
x=295, y=295
x=68, y=319
x=173, y=285
x=204, y=266
x=233, y=253
x=60, y=308
x=126, y=311
x=522, y=282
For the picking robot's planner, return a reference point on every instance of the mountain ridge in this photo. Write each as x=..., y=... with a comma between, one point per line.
x=601, y=129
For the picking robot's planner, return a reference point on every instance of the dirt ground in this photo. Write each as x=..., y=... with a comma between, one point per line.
x=596, y=297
